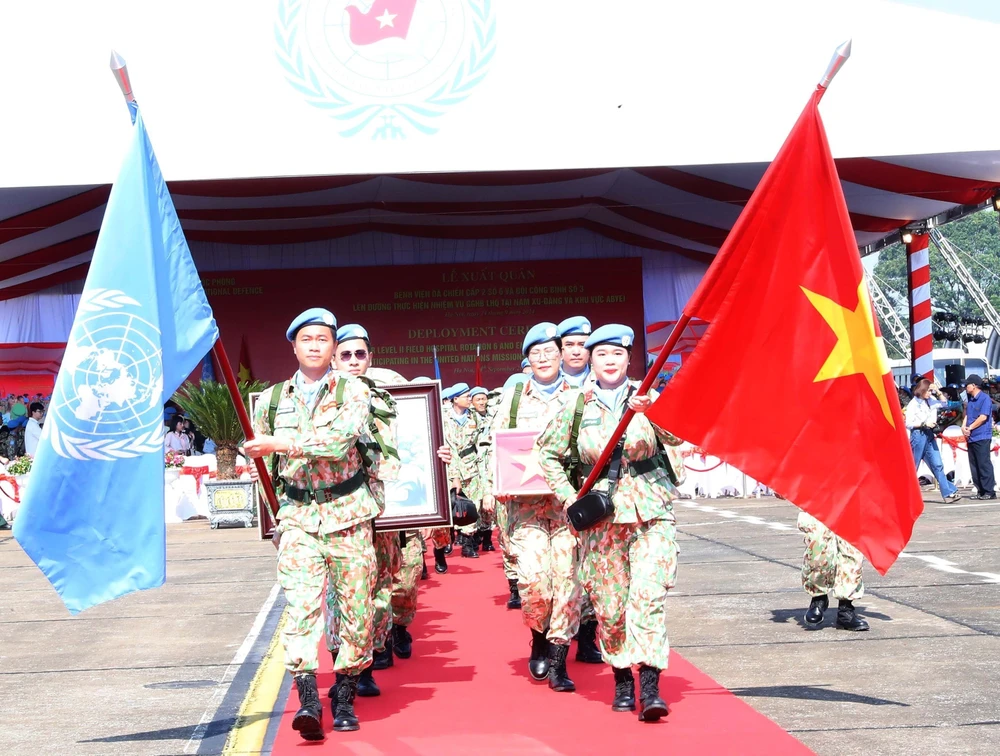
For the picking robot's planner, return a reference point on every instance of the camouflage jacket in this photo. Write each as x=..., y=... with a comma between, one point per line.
x=461, y=439
x=639, y=498
x=322, y=452
x=533, y=413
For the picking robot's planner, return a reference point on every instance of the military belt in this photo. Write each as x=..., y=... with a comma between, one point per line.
x=326, y=494
x=635, y=469
x=467, y=451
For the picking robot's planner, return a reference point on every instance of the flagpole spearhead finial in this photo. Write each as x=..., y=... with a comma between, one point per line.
x=120, y=71
x=840, y=56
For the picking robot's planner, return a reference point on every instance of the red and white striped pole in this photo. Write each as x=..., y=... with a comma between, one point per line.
x=919, y=279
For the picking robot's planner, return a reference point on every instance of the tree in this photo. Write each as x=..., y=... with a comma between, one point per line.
x=978, y=236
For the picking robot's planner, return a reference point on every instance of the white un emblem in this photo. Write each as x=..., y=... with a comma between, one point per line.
x=108, y=399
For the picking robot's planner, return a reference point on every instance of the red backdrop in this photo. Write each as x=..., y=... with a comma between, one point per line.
x=409, y=309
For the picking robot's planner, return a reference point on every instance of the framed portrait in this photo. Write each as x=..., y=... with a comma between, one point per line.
x=515, y=464
x=419, y=497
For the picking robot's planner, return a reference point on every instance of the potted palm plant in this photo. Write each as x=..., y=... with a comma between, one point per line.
x=209, y=406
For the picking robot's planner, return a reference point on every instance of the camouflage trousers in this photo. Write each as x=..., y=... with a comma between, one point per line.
x=628, y=570
x=503, y=540
x=387, y=561
x=307, y=564
x=545, y=555
x=587, y=613
x=830, y=564
x=404, y=580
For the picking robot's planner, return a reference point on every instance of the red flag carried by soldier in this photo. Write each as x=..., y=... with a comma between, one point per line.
x=808, y=405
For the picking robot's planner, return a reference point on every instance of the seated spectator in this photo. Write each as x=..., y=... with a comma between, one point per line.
x=177, y=440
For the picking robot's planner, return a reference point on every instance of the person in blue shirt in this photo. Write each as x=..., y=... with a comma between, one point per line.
x=978, y=430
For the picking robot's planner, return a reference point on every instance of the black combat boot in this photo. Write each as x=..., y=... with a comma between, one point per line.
x=586, y=644
x=624, y=690
x=468, y=546
x=847, y=618
x=383, y=659
x=514, y=602
x=651, y=706
x=366, y=685
x=440, y=564
x=476, y=539
x=344, y=719
x=423, y=571
x=448, y=548
x=558, y=679
x=538, y=662
x=402, y=641
x=309, y=718
x=816, y=610
x=488, y=541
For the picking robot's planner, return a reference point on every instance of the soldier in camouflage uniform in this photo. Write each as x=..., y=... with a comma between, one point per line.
x=830, y=565
x=324, y=522
x=461, y=431
x=544, y=549
x=573, y=333
x=631, y=558
x=484, y=528
x=353, y=357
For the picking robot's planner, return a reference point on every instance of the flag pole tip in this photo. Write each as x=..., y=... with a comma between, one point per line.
x=117, y=61
x=840, y=56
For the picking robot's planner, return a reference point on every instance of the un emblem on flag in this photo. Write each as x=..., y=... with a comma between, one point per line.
x=385, y=67
x=108, y=399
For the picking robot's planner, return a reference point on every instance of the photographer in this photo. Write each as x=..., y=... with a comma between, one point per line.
x=921, y=419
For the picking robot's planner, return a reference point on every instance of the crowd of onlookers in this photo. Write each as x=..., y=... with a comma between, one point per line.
x=21, y=417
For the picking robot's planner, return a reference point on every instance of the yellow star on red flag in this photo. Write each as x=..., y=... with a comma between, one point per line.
x=529, y=461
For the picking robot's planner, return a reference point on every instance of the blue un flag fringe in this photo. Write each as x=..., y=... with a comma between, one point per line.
x=92, y=518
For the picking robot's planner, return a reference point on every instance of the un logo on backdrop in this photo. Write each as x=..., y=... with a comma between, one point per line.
x=385, y=67
x=108, y=398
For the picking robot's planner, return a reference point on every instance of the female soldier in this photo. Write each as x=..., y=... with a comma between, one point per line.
x=631, y=557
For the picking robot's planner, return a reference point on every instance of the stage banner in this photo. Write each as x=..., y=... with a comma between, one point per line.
x=411, y=310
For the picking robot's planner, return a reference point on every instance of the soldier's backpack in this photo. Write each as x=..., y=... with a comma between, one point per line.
x=368, y=451
x=572, y=467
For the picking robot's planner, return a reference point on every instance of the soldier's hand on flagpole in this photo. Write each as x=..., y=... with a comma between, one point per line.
x=263, y=446
x=254, y=476
x=639, y=403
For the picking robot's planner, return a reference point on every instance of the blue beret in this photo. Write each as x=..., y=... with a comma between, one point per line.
x=524, y=363
x=351, y=331
x=312, y=316
x=538, y=334
x=613, y=333
x=575, y=326
x=454, y=391
x=477, y=391
x=514, y=380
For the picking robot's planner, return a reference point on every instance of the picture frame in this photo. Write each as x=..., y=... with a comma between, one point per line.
x=515, y=464
x=419, y=497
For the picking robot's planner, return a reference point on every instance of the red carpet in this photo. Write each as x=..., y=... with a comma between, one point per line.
x=466, y=691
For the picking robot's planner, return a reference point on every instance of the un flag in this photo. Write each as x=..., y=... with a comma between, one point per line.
x=92, y=518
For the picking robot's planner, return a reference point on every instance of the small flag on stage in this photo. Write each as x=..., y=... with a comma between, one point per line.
x=437, y=367
x=92, y=519
x=479, y=368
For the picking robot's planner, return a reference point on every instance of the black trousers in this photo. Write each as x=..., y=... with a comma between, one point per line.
x=982, y=467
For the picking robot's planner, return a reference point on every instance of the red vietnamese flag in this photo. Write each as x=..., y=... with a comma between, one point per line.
x=245, y=372
x=807, y=405
x=479, y=368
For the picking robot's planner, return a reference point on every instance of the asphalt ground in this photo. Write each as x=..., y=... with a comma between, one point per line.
x=165, y=671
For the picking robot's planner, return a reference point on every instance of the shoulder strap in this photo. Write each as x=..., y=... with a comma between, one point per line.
x=272, y=407
x=574, y=434
x=515, y=403
x=339, y=396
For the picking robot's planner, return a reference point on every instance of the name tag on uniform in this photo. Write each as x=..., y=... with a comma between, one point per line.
x=590, y=422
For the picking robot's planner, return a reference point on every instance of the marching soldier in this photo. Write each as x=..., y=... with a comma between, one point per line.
x=460, y=434
x=631, y=559
x=543, y=548
x=830, y=565
x=324, y=528
x=573, y=333
x=484, y=528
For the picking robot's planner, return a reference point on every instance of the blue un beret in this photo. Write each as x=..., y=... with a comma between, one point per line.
x=613, y=333
x=477, y=391
x=575, y=326
x=514, y=380
x=524, y=363
x=455, y=391
x=351, y=331
x=538, y=334
x=312, y=316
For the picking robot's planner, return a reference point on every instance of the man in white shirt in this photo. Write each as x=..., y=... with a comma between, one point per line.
x=33, y=430
x=921, y=419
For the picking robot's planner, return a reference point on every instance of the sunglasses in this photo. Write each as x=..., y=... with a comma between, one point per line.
x=361, y=354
